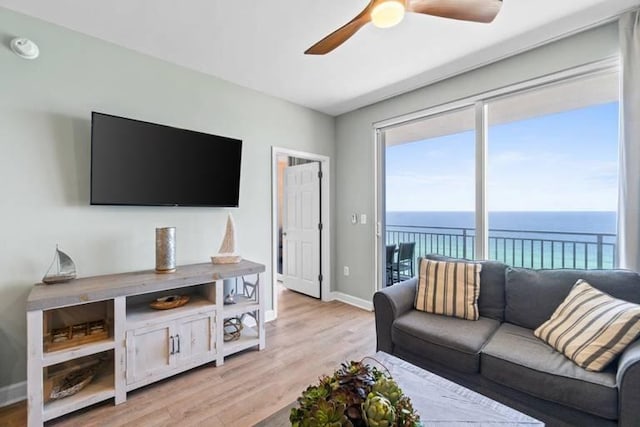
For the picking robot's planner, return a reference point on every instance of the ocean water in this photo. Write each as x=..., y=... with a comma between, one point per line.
x=521, y=239
x=575, y=222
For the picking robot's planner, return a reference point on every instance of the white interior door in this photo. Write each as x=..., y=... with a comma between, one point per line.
x=301, y=229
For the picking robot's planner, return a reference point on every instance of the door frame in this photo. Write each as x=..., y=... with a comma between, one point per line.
x=325, y=218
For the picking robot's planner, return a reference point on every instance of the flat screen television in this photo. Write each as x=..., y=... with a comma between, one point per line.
x=146, y=164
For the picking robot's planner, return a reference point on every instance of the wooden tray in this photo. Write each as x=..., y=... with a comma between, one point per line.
x=75, y=335
x=169, y=302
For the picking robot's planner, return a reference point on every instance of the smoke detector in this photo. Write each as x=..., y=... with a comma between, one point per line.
x=25, y=48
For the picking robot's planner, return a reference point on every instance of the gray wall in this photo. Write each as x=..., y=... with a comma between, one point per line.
x=45, y=108
x=355, y=150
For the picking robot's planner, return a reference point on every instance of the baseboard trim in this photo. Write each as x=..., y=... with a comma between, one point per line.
x=269, y=315
x=351, y=300
x=13, y=393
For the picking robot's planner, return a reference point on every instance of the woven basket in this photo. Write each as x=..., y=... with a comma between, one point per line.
x=72, y=382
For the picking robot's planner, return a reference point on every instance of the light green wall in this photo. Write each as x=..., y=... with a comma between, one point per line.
x=355, y=145
x=45, y=108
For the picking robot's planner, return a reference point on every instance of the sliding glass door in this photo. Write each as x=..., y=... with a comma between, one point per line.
x=553, y=175
x=430, y=198
x=551, y=158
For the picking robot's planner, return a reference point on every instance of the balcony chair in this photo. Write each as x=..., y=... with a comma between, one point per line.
x=390, y=259
x=405, y=262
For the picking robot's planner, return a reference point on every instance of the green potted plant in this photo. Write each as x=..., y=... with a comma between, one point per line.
x=356, y=395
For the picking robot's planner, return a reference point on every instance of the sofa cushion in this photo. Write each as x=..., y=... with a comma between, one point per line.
x=492, y=277
x=514, y=357
x=449, y=288
x=533, y=295
x=448, y=341
x=591, y=327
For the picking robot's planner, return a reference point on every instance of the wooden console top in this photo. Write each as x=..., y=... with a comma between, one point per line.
x=98, y=288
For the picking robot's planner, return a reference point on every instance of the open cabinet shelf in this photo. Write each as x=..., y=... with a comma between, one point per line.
x=54, y=357
x=248, y=338
x=101, y=388
x=242, y=305
x=142, y=313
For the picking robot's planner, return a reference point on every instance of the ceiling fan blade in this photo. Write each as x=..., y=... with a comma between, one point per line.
x=464, y=10
x=342, y=34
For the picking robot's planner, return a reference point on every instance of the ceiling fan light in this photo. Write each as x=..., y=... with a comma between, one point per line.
x=387, y=14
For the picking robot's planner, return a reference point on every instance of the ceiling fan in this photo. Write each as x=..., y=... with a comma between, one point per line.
x=387, y=13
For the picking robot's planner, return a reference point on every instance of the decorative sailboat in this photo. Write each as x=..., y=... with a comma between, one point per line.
x=62, y=269
x=227, y=252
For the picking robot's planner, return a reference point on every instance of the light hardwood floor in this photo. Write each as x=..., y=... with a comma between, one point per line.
x=310, y=338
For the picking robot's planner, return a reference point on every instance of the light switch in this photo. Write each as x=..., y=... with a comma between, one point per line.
x=354, y=218
x=363, y=218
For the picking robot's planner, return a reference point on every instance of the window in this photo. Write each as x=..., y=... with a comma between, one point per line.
x=551, y=177
x=430, y=193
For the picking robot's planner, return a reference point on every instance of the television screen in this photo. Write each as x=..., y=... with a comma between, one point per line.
x=141, y=163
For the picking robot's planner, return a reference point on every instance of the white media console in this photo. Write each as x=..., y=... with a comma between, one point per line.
x=137, y=345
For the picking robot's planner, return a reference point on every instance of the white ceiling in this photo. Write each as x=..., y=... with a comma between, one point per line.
x=259, y=43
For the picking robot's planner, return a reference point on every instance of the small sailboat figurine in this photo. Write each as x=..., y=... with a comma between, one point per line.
x=62, y=269
x=227, y=252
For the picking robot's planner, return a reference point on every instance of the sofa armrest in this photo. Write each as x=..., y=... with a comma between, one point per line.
x=628, y=380
x=389, y=304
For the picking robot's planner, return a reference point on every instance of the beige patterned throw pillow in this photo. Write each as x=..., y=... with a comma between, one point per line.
x=591, y=327
x=449, y=288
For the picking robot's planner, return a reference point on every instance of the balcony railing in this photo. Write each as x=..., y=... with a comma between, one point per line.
x=518, y=248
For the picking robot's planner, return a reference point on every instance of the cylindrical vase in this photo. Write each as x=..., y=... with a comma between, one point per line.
x=166, y=250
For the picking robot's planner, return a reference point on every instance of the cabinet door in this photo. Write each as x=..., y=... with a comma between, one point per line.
x=149, y=352
x=196, y=338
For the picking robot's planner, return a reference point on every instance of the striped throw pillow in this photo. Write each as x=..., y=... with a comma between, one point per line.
x=449, y=288
x=591, y=327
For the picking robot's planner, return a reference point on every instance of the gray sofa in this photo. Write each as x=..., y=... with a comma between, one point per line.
x=499, y=356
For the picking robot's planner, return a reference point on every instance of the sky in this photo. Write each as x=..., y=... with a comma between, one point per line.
x=558, y=162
